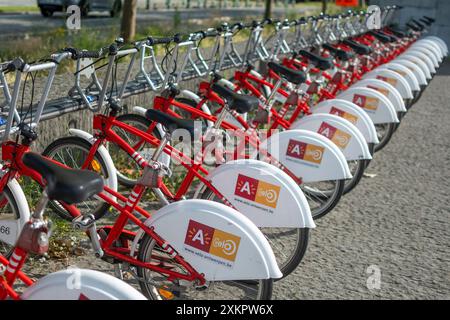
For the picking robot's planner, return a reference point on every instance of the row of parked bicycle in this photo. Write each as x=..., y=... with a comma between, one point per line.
x=272, y=138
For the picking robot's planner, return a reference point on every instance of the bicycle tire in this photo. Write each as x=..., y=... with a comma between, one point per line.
x=145, y=253
x=103, y=207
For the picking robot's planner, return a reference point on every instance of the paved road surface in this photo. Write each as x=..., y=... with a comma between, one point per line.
x=18, y=24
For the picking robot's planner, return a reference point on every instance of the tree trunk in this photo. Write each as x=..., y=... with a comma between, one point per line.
x=268, y=11
x=324, y=6
x=128, y=27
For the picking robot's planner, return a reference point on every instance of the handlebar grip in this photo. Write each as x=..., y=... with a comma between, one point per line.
x=211, y=33
x=154, y=41
x=237, y=26
x=16, y=64
x=80, y=54
x=266, y=21
x=88, y=54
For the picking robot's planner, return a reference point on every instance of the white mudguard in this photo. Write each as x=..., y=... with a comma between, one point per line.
x=414, y=59
x=111, y=181
x=429, y=46
x=10, y=229
x=267, y=90
x=309, y=155
x=81, y=284
x=423, y=57
x=339, y=130
x=263, y=193
x=191, y=95
x=412, y=72
x=385, y=88
x=377, y=106
x=352, y=113
x=227, y=83
x=440, y=42
x=433, y=46
x=394, y=79
x=430, y=53
x=215, y=239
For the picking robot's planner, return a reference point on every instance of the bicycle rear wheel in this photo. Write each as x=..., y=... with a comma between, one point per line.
x=156, y=285
x=384, y=132
x=323, y=196
x=357, y=168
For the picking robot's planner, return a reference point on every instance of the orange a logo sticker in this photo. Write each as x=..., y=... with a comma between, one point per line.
x=267, y=194
x=381, y=90
x=305, y=151
x=213, y=241
x=391, y=81
x=314, y=153
x=224, y=245
x=365, y=102
x=348, y=116
x=339, y=137
x=258, y=191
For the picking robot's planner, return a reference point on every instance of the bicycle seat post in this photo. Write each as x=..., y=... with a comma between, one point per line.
x=38, y=213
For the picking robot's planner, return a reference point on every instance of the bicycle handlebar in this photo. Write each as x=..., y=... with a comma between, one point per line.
x=177, y=38
x=16, y=64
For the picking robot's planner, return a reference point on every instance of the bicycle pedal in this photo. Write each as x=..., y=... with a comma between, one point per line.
x=83, y=222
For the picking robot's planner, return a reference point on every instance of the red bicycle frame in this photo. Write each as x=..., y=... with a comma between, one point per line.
x=12, y=153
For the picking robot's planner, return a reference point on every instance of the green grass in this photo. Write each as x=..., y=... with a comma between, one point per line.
x=13, y=9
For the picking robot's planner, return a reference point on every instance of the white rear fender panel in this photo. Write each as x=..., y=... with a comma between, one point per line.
x=263, y=193
x=440, y=42
x=385, y=88
x=10, y=229
x=309, y=155
x=414, y=59
x=432, y=45
x=351, y=112
x=423, y=57
x=80, y=284
x=429, y=52
x=340, y=131
x=410, y=71
x=394, y=79
x=377, y=106
x=216, y=240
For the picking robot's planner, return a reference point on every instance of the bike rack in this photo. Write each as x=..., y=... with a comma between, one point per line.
x=224, y=55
